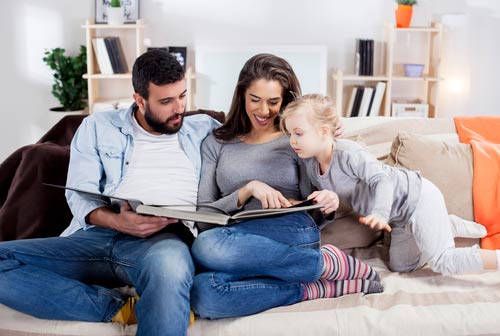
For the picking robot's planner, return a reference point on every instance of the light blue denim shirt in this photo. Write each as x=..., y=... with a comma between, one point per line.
x=101, y=150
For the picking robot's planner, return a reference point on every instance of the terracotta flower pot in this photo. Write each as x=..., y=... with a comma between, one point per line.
x=403, y=16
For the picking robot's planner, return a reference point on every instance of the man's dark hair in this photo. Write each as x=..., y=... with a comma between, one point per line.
x=155, y=66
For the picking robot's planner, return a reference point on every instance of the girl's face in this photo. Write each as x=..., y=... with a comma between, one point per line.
x=306, y=138
x=263, y=100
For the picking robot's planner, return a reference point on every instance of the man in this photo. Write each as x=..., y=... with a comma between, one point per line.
x=147, y=152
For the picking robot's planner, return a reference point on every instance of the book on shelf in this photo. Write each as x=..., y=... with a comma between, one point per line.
x=189, y=211
x=376, y=102
x=365, y=102
x=370, y=53
x=357, y=58
x=363, y=59
x=109, y=54
x=357, y=102
x=121, y=56
x=112, y=55
x=102, y=56
x=354, y=90
x=117, y=55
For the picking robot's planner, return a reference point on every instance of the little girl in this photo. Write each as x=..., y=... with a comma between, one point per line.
x=393, y=199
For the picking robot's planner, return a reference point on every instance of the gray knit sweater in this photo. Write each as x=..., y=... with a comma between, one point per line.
x=367, y=185
x=229, y=165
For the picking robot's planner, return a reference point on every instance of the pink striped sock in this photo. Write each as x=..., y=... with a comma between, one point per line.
x=339, y=266
x=332, y=289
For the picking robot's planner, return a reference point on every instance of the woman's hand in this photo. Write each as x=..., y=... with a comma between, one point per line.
x=339, y=131
x=327, y=198
x=268, y=196
x=375, y=223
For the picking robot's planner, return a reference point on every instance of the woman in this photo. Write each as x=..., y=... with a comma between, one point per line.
x=248, y=164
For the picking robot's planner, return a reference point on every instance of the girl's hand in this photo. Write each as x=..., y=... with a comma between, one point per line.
x=268, y=196
x=375, y=223
x=327, y=198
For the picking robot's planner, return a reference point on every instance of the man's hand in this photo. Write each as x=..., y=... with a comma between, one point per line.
x=375, y=223
x=128, y=221
x=268, y=196
x=327, y=198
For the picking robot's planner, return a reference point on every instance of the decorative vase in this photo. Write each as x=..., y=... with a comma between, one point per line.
x=403, y=16
x=115, y=15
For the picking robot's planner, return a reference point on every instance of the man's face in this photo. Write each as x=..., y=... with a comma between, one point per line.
x=163, y=111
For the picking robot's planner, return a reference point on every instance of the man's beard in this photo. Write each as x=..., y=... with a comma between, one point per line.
x=162, y=126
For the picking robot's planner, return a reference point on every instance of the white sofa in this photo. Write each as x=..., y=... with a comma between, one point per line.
x=420, y=303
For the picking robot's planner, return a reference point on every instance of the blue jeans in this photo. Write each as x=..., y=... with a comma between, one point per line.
x=69, y=278
x=255, y=265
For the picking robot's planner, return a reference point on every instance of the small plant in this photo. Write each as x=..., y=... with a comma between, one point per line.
x=70, y=88
x=115, y=3
x=407, y=2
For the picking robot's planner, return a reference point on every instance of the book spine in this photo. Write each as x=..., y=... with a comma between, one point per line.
x=98, y=56
x=357, y=58
x=107, y=61
x=362, y=65
x=365, y=102
x=378, y=96
x=351, y=101
x=370, y=57
x=121, y=56
x=112, y=56
x=357, y=101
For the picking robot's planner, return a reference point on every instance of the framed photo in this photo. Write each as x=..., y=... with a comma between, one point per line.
x=130, y=10
x=180, y=53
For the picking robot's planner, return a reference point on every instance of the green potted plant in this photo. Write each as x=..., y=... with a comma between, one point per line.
x=70, y=88
x=115, y=12
x=404, y=12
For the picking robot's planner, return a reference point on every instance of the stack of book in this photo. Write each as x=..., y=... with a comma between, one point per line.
x=365, y=100
x=109, y=54
x=364, y=57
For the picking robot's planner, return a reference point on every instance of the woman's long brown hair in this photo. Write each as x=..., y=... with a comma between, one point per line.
x=261, y=66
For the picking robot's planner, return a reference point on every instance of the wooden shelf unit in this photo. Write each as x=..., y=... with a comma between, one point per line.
x=93, y=77
x=430, y=78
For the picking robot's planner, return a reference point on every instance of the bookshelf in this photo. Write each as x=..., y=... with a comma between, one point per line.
x=95, y=79
x=393, y=75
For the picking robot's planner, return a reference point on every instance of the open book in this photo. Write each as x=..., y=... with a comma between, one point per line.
x=170, y=211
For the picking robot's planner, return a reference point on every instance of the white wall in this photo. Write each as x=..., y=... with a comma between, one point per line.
x=30, y=26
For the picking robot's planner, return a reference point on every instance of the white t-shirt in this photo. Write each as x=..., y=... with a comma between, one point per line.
x=159, y=171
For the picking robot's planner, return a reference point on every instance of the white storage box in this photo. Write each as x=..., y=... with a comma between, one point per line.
x=410, y=110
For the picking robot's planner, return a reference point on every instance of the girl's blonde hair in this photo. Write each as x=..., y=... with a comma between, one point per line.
x=318, y=108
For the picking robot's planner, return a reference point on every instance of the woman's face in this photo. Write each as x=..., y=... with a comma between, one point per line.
x=263, y=100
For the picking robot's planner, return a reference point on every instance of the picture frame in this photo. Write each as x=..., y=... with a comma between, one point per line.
x=130, y=10
x=180, y=53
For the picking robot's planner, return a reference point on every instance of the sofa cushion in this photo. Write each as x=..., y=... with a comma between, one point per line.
x=28, y=209
x=442, y=161
x=347, y=233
